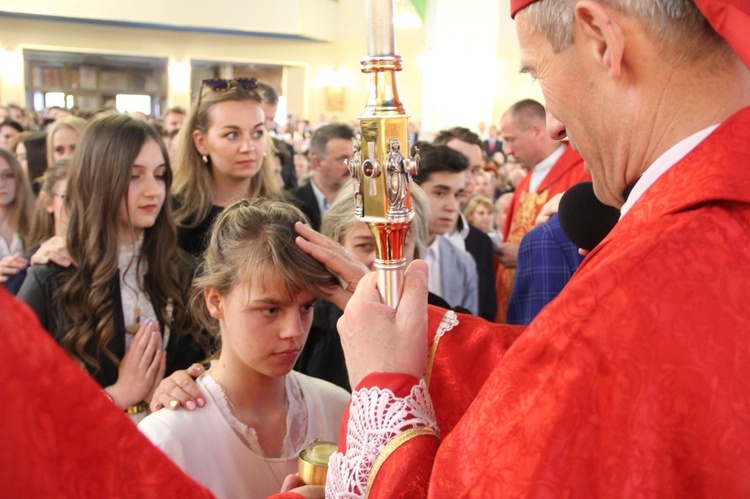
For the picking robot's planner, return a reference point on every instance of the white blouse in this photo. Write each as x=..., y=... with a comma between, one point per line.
x=131, y=287
x=223, y=454
x=16, y=246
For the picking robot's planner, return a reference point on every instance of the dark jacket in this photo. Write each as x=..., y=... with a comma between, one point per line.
x=194, y=240
x=40, y=291
x=479, y=245
x=304, y=198
x=547, y=260
x=14, y=282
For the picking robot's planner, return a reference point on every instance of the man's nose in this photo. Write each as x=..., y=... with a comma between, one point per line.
x=555, y=128
x=453, y=204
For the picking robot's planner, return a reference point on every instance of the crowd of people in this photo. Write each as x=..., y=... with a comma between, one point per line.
x=117, y=231
x=206, y=269
x=305, y=162
x=125, y=234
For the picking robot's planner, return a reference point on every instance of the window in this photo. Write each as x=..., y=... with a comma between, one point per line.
x=131, y=103
x=54, y=99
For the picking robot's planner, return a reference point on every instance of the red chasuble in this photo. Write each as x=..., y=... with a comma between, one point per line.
x=526, y=206
x=60, y=435
x=632, y=382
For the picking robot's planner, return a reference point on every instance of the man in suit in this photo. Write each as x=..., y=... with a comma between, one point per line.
x=413, y=133
x=453, y=272
x=547, y=260
x=330, y=147
x=492, y=144
x=464, y=235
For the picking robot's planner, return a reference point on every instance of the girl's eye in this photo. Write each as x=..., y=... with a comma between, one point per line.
x=231, y=135
x=270, y=311
x=258, y=134
x=309, y=307
x=365, y=247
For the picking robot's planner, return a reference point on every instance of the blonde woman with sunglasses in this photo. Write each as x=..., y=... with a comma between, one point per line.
x=223, y=156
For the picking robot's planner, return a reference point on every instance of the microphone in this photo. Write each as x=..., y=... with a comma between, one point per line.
x=584, y=219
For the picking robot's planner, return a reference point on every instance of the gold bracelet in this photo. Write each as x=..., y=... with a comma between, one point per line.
x=136, y=408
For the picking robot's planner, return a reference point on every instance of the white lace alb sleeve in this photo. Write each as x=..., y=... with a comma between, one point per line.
x=376, y=416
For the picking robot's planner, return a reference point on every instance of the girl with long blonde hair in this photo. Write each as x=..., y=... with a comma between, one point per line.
x=63, y=137
x=224, y=155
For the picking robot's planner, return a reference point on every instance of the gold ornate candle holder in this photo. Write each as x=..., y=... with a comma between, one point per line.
x=382, y=166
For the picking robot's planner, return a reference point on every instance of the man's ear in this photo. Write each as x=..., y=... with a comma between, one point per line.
x=199, y=140
x=315, y=161
x=600, y=26
x=214, y=303
x=539, y=132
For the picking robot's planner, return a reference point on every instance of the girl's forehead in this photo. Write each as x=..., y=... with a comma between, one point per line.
x=264, y=278
x=269, y=289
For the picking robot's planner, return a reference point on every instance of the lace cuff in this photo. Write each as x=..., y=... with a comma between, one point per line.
x=376, y=416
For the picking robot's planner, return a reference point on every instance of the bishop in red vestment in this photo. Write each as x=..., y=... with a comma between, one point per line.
x=631, y=383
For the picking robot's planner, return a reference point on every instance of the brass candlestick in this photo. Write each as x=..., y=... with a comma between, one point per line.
x=382, y=166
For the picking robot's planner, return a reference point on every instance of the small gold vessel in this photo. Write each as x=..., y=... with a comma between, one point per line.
x=313, y=462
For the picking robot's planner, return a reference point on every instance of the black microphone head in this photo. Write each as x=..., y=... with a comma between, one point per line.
x=585, y=219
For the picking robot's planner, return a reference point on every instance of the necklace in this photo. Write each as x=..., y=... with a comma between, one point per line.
x=135, y=289
x=236, y=414
x=136, y=318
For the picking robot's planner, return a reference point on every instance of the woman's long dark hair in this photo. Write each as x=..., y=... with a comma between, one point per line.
x=99, y=179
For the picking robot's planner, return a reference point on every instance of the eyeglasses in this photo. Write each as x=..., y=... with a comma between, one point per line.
x=221, y=84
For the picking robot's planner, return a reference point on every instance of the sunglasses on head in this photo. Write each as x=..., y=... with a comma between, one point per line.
x=221, y=84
